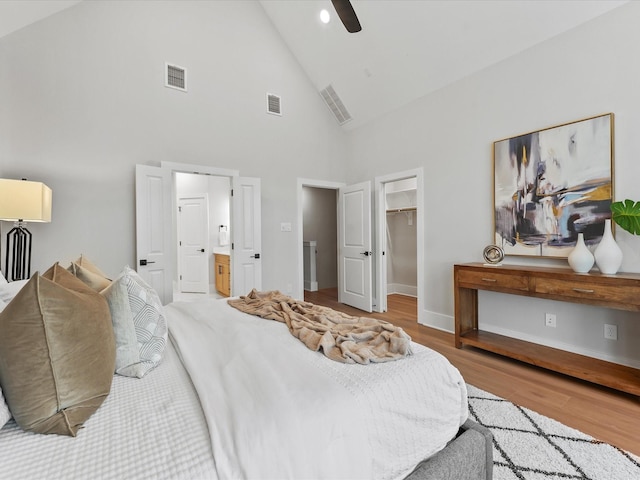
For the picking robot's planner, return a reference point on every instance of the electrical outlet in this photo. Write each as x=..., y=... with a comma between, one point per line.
x=550, y=320
x=610, y=331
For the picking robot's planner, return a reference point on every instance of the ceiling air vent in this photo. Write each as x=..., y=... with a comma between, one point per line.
x=333, y=101
x=175, y=77
x=273, y=104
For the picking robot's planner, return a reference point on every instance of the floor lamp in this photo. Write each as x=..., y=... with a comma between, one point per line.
x=22, y=201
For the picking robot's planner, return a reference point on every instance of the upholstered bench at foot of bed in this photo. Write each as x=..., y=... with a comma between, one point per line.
x=467, y=457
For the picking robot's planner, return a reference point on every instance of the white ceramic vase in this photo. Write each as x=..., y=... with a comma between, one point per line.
x=581, y=259
x=608, y=254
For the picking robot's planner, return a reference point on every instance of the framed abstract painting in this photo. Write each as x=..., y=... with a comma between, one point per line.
x=550, y=185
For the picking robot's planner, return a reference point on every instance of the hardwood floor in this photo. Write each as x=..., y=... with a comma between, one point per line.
x=606, y=414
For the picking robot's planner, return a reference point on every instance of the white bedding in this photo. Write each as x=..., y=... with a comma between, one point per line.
x=264, y=406
x=150, y=428
x=278, y=410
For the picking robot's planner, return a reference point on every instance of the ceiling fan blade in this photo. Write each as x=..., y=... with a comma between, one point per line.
x=347, y=14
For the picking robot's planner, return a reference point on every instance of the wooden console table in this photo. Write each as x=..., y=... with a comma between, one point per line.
x=621, y=291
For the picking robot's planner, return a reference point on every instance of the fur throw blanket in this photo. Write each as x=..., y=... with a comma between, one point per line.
x=341, y=337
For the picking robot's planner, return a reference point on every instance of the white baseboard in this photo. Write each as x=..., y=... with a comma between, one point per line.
x=436, y=320
x=410, y=290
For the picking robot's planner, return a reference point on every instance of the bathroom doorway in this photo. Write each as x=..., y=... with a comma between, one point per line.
x=215, y=227
x=320, y=238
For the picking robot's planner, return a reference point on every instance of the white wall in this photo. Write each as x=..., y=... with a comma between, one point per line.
x=82, y=100
x=585, y=72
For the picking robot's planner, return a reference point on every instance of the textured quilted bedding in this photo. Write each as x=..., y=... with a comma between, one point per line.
x=149, y=428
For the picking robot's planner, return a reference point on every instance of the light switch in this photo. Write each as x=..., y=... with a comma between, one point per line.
x=285, y=227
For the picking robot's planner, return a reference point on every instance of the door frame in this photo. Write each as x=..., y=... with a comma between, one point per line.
x=380, y=228
x=174, y=167
x=301, y=183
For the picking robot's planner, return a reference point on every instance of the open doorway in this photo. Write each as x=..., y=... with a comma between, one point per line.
x=156, y=242
x=203, y=230
x=410, y=290
x=305, y=200
x=320, y=239
x=400, y=259
x=400, y=240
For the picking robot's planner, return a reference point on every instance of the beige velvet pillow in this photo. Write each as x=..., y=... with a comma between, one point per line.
x=89, y=265
x=57, y=353
x=89, y=273
x=96, y=281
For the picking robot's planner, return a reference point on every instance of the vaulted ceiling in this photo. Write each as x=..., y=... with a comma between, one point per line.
x=406, y=49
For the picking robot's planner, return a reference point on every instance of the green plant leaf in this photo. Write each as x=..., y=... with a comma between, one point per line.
x=627, y=214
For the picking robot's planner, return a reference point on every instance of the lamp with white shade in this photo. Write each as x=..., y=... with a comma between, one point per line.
x=22, y=201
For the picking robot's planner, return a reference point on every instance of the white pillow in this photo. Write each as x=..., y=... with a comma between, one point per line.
x=2, y=305
x=5, y=414
x=2, y=279
x=139, y=324
x=9, y=290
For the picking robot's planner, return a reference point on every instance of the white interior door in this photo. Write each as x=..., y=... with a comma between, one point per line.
x=246, y=264
x=193, y=251
x=153, y=229
x=354, y=249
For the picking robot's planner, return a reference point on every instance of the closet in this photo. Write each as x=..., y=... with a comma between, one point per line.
x=401, y=251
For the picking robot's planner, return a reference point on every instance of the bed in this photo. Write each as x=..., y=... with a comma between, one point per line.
x=236, y=396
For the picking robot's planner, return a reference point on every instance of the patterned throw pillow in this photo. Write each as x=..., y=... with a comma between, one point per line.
x=139, y=324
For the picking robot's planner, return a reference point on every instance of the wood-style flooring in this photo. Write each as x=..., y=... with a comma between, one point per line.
x=603, y=413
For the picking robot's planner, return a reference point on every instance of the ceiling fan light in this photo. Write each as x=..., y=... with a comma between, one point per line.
x=325, y=17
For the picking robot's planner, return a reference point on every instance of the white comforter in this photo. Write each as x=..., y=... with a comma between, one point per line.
x=278, y=410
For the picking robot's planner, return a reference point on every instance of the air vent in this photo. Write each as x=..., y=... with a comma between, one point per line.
x=175, y=77
x=273, y=104
x=333, y=101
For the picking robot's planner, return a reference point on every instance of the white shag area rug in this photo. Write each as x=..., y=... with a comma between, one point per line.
x=530, y=446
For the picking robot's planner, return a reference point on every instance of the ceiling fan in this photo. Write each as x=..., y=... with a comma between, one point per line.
x=347, y=14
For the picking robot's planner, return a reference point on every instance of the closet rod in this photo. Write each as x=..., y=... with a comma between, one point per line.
x=398, y=210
